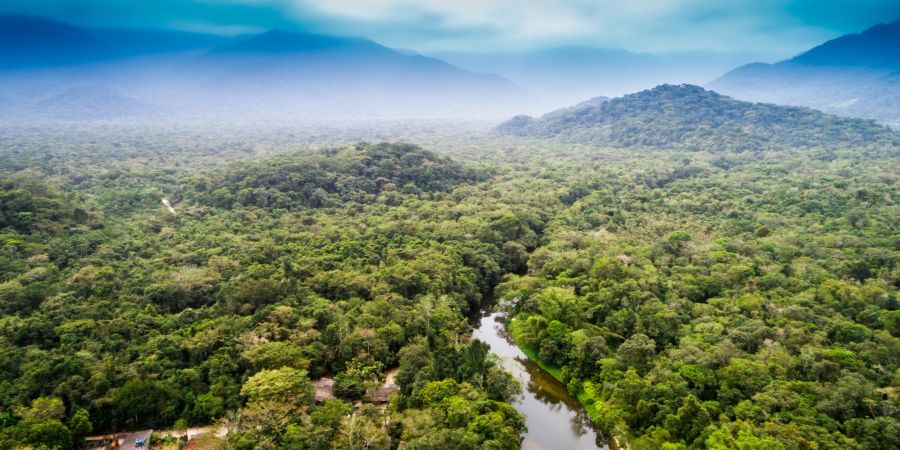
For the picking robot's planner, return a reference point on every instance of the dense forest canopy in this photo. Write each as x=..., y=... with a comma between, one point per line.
x=356, y=173
x=152, y=317
x=433, y=225
x=740, y=296
x=753, y=307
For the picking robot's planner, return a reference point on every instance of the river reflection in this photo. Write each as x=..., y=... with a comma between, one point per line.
x=555, y=419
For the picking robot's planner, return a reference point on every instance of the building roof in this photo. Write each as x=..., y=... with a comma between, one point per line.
x=383, y=393
x=324, y=389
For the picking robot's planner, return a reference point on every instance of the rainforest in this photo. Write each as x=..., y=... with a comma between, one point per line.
x=687, y=297
x=247, y=225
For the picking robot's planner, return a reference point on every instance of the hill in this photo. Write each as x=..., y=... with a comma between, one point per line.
x=855, y=75
x=691, y=117
x=358, y=173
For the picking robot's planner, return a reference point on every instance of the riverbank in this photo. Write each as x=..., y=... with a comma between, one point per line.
x=586, y=402
x=554, y=418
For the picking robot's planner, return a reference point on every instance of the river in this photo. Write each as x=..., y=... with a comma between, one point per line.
x=555, y=419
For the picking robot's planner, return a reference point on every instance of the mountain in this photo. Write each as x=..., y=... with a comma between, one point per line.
x=311, y=76
x=31, y=41
x=856, y=75
x=690, y=117
x=876, y=48
x=562, y=75
x=565, y=75
x=91, y=103
x=279, y=41
x=121, y=43
x=27, y=41
x=278, y=75
x=74, y=102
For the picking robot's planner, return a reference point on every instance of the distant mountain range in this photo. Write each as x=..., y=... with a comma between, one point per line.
x=51, y=71
x=54, y=71
x=856, y=75
x=690, y=117
x=565, y=75
x=31, y=42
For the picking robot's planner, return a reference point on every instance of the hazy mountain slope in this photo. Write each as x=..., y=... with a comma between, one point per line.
x=688, y=116
x=876, y=48
x=278, y=71
x=31, y=41
x=27, y=41
x=275, y=76
x=565, y=75
x=279, y=41
x=124, y=42
x=91, y=103
x=855, y=75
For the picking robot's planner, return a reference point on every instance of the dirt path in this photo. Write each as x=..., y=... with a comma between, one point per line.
x=219, y=430
x=166, y=202
x=390, y=376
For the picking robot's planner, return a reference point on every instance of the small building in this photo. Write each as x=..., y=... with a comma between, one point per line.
x=383, y=393
x=324, y=389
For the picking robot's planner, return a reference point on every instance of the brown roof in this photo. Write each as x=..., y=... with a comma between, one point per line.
x=382, y=394
x=324, y=389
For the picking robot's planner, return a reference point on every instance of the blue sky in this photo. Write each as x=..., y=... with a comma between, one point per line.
x=778, y=27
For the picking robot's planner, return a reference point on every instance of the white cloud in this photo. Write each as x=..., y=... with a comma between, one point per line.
x=772, y=26
x=213, y=28
x=642, y=25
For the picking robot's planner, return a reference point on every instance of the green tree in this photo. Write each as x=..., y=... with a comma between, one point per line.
x=79, y=424
x=637, y=351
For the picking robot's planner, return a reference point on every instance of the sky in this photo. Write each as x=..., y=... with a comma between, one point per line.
x=778, y=27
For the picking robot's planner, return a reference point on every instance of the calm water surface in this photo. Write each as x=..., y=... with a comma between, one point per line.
x=555, y=419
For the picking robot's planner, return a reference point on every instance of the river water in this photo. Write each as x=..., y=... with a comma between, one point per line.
x=555, y=419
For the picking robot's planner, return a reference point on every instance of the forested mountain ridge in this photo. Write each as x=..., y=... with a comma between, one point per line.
x=691, y=117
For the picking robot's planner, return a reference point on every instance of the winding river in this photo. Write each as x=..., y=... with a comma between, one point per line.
x=555, y=419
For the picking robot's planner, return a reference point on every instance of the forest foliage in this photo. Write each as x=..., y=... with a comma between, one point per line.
x=752, y=307
x=695, y=299
x=692, y=118
x=340, y=263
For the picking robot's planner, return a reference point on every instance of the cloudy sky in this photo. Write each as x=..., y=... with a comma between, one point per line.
x=780, y=27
